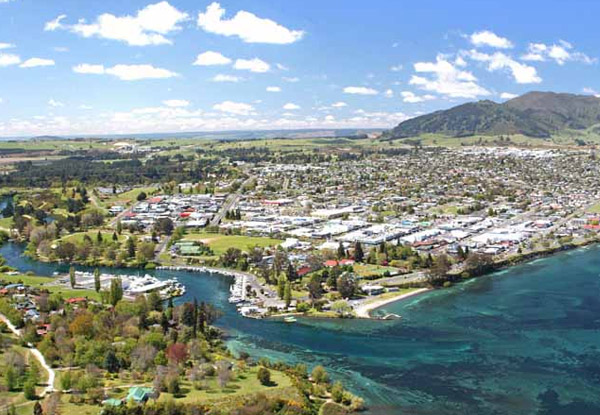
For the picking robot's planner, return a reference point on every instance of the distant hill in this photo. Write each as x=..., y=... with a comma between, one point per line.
x=535, y=114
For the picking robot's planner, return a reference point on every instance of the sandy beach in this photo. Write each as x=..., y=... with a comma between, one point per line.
x=364, y=310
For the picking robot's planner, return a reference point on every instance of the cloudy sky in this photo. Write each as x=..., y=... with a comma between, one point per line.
x=102, y=67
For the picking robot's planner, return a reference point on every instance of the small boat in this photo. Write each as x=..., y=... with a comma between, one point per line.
x=290, y=319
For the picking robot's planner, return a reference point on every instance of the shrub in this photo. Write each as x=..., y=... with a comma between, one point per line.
x=264, y=376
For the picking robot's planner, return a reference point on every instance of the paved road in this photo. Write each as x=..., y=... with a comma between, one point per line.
x=36, y=353
x=229, y=204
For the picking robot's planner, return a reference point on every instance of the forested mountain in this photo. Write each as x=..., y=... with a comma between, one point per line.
x=535, y=114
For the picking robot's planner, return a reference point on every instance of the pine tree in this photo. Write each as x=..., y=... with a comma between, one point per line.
x=341, y=252
x=119, y=227
x=359, y=255
x=130, y=247
x=99, y=238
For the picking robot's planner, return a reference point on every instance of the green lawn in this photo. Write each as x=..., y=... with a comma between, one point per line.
x=5, y=223
x=245, y=383
x=127, y=197
x=365, y=270
x=77, y=237
x=220, y=243
x=595, y=208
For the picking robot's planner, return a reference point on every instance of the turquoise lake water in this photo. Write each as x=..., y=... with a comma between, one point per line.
x=520, y=342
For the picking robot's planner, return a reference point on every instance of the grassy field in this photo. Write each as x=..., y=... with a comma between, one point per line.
x=6, y=223
x=595, y=208
x=220, y=243
x=77, y=238
x=245, y=383
x=127, y=197
x=365, y=270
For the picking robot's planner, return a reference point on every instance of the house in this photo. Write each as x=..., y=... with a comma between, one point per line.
x=302, y=271
x=139, y=394
x=373, y=289
x=76, y=300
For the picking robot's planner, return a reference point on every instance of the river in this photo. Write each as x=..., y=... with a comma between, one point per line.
x=519, y=342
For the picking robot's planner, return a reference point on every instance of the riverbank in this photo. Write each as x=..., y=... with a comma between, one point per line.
x=365, y=309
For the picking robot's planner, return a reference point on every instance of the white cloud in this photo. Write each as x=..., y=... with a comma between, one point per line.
x=388, y=93
x=396, y=68
x=226, y=78
x=53, y=103
x=339, y=104
x=412, y=98
x=291, y=106
x=55, y=24
x=126, y=72
x=176, y=103
x=508, y=95
x=237, y=108
x=35, y=62
x=282, y=67
x=273, y=89
x=522, y=73
x=210, y=58
x=447, y=79
x=61, y=49
x=7, y=59
x=488, y=38
x=149, y=26
x=1, y=100
x=247, y=26
x=6, y=46
x=360, y=90
x=86, y=68
x=591, y=91
x=291, y=80
x=560, y=53
x=252, y=65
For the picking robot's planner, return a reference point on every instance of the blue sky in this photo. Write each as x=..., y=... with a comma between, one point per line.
x=101, y=67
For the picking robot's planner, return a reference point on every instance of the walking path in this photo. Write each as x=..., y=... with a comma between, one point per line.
x=36, y=353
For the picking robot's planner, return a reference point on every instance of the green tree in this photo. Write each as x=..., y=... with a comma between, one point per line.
x=359, y=254
x=341, y=252
x=337, y=392
x=29, y=390
x=264, y=376
x=97, y=284
x=119, y=227
x=11, y=378
x=131, y=246
x=346, y=285
x=287, y=294
x=72, y=278
x=116, y=291
x=319, y=375
x=281, y=286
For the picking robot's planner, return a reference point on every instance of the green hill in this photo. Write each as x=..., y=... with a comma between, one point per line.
x=535, y=114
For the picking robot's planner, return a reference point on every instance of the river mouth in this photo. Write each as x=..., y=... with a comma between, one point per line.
x=523, y=341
